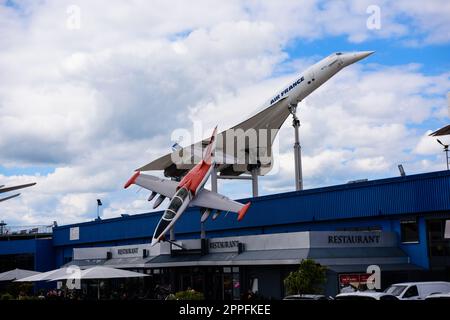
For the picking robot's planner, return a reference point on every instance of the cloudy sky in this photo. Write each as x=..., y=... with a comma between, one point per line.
x=91, y=90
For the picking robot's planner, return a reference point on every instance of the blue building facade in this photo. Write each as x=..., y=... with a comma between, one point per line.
x=33, y=253
x=416, y=208
x=384, y=205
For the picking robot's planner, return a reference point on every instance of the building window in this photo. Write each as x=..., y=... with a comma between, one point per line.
x=411, y=292
x=447, y=229
x=438, y=242
x=67, y=260
x=409, y=230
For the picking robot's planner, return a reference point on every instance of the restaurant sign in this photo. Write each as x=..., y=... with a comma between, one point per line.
x=127, y=251
x=224, y=246
x=354, y=239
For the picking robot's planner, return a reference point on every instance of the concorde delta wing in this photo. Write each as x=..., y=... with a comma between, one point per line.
x=269, y=120
x=164, y=187
x=212, y=200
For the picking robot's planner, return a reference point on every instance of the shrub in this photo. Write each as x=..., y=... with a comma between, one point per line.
x=6, y=296
x=309, y=278
x=189, y=295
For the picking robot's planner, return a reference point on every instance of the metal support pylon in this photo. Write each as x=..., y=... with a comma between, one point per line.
x=297, y=149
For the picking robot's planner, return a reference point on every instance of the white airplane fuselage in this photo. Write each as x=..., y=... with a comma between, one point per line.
x=316, y=75
x=272, y=114
x=171, y=215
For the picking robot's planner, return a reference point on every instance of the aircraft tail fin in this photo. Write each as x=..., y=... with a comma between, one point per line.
x=210, y=148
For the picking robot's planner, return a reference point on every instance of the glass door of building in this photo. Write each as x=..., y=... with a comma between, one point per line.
x=231, y=283
x=438, y=245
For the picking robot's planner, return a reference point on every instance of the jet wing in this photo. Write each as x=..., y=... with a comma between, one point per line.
x=162, y=186
x=271, y=118
x=10, y=197
x=7, y=189
x=212, y=200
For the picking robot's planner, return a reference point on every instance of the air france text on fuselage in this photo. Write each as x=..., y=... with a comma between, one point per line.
x=285, y=91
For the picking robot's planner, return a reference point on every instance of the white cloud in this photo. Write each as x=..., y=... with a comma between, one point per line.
x=428, y=145
x=98, y=102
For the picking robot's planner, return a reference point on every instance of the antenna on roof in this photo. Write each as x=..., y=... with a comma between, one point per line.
x=445, y=150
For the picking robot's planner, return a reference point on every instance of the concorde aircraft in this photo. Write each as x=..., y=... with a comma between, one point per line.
x=7, y=189
x=271, y=117
x=188, y=192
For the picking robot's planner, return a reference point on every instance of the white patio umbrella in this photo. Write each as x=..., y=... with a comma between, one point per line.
x=47, y=276
x=99, y=273
x=16, y=274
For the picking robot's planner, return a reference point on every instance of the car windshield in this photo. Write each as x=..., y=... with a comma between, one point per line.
x=395, y=290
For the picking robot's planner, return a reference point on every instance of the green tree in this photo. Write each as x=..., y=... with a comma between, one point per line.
x=189, y=294
x=308, y=279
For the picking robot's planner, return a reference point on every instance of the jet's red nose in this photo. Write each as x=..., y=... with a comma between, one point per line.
x=132, y=179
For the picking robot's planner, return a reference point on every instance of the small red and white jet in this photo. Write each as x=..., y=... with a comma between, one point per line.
x=189, y=191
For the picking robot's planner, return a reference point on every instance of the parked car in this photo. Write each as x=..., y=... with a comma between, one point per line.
x=365, y=295
x=307, y=297
x=417, y=290
x=438, y=296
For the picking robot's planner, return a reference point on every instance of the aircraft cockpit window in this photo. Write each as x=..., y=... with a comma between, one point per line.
x=338, y=53
x=175, y=204
x=182, y=193
x=169, y=214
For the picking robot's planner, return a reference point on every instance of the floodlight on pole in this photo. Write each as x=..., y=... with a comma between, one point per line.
x=99, y=203
x=402, y=171
x=445, y=150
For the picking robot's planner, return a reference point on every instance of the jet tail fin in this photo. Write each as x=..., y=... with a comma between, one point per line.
x=210, y=148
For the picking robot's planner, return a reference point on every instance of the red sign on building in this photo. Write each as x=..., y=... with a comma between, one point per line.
x=354, y=279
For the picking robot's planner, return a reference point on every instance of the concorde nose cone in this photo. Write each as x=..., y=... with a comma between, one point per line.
x=363, y=54
x=356, y=56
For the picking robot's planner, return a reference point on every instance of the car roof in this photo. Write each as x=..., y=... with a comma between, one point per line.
x=437, y=295
x=416, y=283
x=305, y=296
x=363, y=293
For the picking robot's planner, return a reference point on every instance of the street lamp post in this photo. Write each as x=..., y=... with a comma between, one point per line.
x=99, y=203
